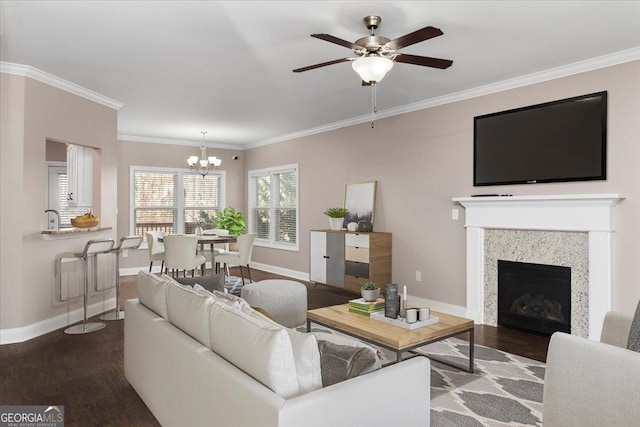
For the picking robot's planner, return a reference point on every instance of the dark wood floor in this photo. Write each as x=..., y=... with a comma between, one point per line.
x=85, y=373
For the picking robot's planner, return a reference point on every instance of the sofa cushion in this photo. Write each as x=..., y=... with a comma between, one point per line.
x=189, y=311
x=261, y=349
x=633, y=343
x=152, y=292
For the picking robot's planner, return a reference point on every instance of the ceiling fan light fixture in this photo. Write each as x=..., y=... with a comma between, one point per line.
x=372, y=68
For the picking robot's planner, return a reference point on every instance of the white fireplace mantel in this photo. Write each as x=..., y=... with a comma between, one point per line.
x=590, y=213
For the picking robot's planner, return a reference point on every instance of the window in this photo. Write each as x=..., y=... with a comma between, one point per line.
x=273, y=206
x=174, y=200
x=57, y=195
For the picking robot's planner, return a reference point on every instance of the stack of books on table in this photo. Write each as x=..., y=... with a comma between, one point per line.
x=360, y=306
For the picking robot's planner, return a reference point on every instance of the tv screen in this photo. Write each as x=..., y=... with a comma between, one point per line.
x=557, y=141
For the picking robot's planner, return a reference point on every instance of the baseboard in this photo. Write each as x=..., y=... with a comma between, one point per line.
x=132, y=271
x=24, y=333
x=454, y=310
x=294, y=274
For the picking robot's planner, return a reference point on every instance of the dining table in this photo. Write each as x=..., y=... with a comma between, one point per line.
x=211, y=239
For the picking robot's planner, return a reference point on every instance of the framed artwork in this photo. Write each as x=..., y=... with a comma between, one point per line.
x=360, y=199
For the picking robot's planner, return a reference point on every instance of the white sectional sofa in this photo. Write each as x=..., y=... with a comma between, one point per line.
x=234, y=368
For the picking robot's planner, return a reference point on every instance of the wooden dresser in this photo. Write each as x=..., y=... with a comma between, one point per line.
x=347, y=260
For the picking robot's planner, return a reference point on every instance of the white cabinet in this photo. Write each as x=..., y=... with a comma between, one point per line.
x=79, y=175
x=348, y=260
x=327, y=258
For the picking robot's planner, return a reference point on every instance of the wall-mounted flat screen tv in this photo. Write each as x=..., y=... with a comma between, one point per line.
x=556, y=141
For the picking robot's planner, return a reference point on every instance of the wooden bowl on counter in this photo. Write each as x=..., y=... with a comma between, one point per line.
x=84, y=222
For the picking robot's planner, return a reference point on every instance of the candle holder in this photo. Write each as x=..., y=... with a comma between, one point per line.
x=392, y=301
x=403, y=307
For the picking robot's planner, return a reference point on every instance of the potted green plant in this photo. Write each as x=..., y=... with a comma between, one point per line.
x=232, y=220
x=370, y=291
x=336, y=217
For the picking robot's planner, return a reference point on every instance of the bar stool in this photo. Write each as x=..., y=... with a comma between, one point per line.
x=91, y=250
x=126, y=242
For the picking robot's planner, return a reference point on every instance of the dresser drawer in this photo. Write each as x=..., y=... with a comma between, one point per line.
x=357, y=269
x=357, y=240
x=356, y=254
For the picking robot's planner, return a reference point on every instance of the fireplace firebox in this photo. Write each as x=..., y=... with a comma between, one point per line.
x=534, y=297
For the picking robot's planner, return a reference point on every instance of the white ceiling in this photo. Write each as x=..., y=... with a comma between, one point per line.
x=226, y=67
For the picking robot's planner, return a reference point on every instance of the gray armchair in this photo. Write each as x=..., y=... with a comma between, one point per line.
x=591, y=383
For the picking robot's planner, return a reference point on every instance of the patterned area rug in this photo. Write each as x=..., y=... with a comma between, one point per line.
x=504, y=390
x=233, y=284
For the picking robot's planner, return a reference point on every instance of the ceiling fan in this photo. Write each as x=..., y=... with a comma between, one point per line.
x=377, y=54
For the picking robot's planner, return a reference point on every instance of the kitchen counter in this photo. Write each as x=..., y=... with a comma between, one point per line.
x=72, y=232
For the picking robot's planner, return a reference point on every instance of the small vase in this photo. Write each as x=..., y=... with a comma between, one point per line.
x=198, y=231
x=336, y=223
x=370, y=294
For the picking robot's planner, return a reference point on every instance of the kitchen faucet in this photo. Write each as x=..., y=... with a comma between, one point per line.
x=57, y=216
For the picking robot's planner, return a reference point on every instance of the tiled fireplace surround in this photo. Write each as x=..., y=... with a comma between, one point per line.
x=569, y=230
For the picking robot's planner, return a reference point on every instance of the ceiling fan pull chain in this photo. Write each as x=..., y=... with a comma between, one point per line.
x=373, y=102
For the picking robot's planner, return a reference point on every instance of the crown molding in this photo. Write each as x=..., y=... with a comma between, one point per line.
x=57, y=82
x=604, y=61
x=182, y=142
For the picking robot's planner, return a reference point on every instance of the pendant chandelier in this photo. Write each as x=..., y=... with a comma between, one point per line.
x=204, y=164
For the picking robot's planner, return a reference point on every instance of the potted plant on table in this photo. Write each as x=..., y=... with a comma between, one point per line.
x=233, y=221
x=336, y=217
x=370, y=291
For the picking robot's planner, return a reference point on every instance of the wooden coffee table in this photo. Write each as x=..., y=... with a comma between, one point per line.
x=391, y=337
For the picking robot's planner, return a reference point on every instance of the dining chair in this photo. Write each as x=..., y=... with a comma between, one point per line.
x=218, y=248
x=242, y=257
x=180, y=253
x=156, y=248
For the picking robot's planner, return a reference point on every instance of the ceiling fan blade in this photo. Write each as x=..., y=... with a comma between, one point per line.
x=323, y=64
x=423, y=34
x=423, y=60
x=332, y=39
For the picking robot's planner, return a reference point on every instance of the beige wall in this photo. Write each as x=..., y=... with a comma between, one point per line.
x=420, y=160
x=169, y=156
x=424, y=158
x=33, y=112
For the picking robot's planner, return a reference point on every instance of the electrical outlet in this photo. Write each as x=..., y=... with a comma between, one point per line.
x=125, y=254
x=418, y=276
x=454, y=214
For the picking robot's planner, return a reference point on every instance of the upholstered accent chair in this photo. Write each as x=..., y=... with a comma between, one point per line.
x=593, y=383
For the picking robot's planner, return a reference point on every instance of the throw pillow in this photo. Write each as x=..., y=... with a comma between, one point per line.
x=633, y=343
x=210, y=283
x=341, y=362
